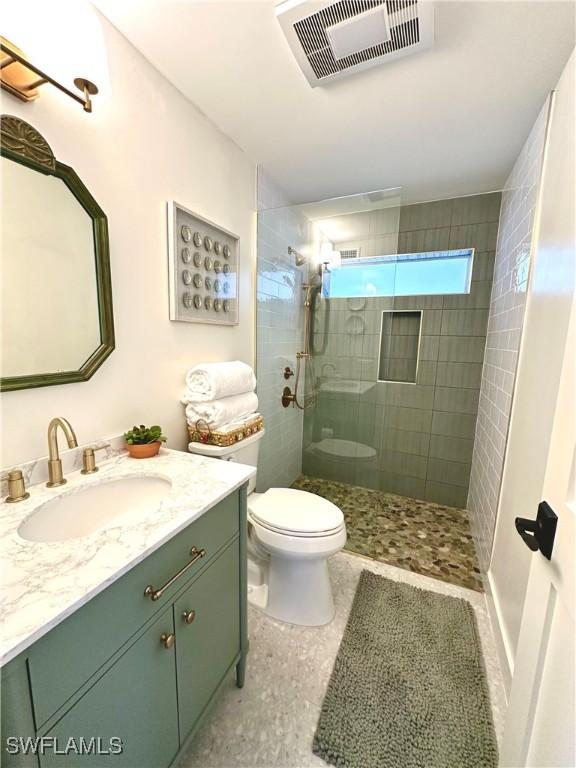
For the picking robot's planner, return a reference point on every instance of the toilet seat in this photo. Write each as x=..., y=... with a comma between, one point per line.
x=295, y=513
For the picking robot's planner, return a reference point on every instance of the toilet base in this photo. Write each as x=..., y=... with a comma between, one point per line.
x=297, y=592
x=258, y=596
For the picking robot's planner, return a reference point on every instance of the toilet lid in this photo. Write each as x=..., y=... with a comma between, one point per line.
x=297, y=512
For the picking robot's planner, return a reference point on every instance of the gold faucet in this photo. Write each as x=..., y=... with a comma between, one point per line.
x=54, y=463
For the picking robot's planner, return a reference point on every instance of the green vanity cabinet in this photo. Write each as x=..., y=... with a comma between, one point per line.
x=134, y=701
x=72, y=653
x=126, y=667
x=17, y=717
x=207, y=622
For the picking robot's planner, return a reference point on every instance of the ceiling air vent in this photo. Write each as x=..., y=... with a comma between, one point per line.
x=331, y=40
x=349, y=253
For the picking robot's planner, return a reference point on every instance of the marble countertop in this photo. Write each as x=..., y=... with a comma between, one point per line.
x=43, y=583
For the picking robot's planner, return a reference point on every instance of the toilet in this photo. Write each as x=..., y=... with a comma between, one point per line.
x=291, y=535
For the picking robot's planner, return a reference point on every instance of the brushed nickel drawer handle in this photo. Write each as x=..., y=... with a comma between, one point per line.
x=189, y=616
x=156, y=594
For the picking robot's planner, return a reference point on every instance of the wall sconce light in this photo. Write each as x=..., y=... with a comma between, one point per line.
x=22, y=79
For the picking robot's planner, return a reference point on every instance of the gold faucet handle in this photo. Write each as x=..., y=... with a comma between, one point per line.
x=89, y=459
x=16, y=486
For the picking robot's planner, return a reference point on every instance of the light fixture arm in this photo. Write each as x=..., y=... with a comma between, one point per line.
x=23, y=86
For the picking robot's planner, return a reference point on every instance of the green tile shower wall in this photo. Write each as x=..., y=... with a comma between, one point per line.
x=422, y=433
x=279, y=330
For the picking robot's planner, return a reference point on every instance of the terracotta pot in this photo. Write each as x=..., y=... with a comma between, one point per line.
x=144, y=451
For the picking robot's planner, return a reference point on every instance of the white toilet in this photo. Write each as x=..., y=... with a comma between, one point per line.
x=291, y=535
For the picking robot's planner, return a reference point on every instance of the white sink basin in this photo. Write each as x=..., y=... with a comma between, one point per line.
x=85, y=510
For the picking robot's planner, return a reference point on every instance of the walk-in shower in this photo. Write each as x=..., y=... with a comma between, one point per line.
x=384, y=325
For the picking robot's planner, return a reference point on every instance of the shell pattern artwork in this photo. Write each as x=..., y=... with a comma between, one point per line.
x=203, y=270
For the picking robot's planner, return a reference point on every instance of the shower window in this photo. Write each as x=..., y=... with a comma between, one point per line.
x=407, y=274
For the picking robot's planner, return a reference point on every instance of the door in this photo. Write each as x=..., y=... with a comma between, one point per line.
x=541, y=717
x=207, y=619
x=134, y=701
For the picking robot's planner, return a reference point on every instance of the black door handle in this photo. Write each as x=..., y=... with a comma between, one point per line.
x=539, y=534
x=527, y=530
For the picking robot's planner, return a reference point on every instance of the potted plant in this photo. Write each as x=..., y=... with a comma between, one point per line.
x=143, y=442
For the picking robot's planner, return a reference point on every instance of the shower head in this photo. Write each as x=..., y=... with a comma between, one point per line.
x=299, y=258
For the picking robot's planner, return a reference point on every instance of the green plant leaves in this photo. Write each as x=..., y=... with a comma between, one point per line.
x=142, y=435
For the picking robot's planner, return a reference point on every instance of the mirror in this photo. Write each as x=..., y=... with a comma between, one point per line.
x=56, y=314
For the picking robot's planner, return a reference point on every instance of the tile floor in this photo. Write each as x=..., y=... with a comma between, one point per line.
x=419, y=536
x=271, y=721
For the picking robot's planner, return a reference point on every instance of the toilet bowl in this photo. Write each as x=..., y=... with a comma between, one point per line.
x=291, y=535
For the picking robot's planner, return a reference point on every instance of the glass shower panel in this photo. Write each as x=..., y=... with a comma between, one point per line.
x=338, y=423
x=344, y=425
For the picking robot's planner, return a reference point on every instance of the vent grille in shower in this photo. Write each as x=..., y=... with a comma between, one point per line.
x=349, y=253
x=410, y=22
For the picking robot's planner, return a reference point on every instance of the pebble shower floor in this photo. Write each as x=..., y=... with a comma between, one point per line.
x=419, y=536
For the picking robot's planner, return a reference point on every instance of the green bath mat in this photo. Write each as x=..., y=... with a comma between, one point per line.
x=408, y=688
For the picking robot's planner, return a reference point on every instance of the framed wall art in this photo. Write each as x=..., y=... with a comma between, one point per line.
x=203, y=265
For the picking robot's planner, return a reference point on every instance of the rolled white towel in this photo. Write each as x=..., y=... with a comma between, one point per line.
x=211, y=381
x=219, y=412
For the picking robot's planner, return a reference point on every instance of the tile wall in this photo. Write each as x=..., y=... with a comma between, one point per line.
x=412, y=439
x=399, y=346
x=279, y=328
x=506, y=317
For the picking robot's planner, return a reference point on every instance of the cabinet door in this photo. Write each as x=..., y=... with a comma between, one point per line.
x=208, y=645
x=135, y=701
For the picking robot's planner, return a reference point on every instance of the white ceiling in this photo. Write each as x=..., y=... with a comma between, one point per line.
x=443, y=122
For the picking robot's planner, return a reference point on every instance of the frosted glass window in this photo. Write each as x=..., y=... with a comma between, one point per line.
x=408, y=274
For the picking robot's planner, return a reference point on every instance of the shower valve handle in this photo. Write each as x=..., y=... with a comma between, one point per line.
x=288, y=398
x=288, y=372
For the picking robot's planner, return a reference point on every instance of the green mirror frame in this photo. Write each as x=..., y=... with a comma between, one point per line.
x=22, y=143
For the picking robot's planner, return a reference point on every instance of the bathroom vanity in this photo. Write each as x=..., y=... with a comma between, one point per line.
x=128, y=633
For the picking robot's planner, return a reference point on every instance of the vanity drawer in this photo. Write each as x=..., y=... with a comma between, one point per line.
x=62, y=661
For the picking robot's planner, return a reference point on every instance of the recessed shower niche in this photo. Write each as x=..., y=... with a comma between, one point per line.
x=399, y=344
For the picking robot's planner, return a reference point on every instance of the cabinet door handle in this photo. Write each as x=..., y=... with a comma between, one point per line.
x=189, y=616
x=167, y=639
x=156, y=594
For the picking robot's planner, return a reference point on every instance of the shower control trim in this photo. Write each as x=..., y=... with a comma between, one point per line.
x=288, y=372
x=288, y=398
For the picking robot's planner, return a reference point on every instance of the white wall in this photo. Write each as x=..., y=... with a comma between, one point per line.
x=144, y=144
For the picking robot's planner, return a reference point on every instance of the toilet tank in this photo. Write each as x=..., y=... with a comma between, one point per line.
x=244, y=452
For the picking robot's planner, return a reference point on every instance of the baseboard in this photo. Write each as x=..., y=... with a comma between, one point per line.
x=505, y=656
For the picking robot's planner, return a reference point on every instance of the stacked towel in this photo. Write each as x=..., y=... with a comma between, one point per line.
x=217, y=413
x=220, y=394
x=211, y=381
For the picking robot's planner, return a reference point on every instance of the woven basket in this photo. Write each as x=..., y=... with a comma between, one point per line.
x=201, y=433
